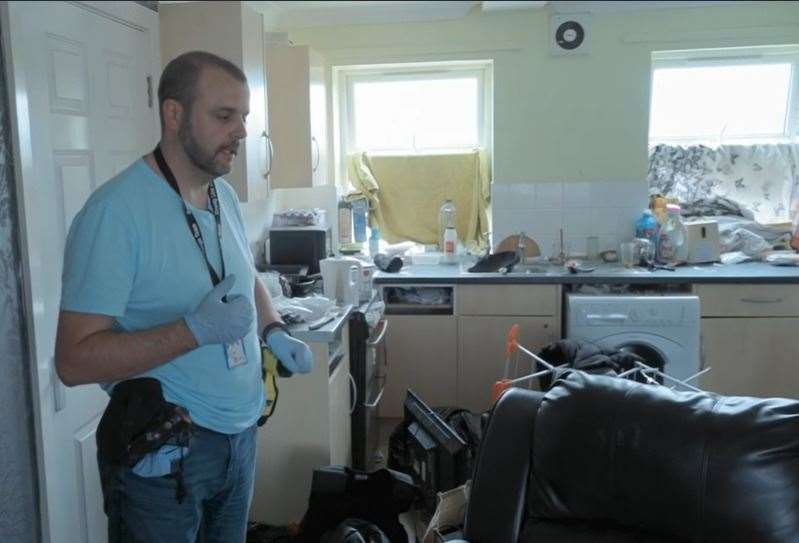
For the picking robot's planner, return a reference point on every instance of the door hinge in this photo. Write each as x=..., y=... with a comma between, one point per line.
x=150, y=91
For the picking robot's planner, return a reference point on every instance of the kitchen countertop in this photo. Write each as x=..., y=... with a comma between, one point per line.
x=326, y=333
x=748, y=272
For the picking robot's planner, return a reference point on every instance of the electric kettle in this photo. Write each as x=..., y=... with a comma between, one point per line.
x=341, y=279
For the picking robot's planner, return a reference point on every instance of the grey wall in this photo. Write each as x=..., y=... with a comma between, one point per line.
x=19, y=514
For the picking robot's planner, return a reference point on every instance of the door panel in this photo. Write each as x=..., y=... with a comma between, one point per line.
x=80, y=107
x=751, y=356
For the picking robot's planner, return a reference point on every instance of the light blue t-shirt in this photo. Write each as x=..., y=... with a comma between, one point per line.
x=130, y=255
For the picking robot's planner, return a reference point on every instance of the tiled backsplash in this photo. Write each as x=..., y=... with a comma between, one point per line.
x=606, y=209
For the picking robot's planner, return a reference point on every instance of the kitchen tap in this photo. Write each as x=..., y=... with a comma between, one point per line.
x=520, y=247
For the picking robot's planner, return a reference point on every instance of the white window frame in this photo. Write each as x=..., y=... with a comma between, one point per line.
x=344, y=78
x=698, y=58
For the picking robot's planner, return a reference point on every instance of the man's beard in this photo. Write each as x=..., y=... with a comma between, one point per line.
x=197, y=155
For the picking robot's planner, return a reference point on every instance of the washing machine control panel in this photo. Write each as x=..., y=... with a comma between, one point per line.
x=633, y=310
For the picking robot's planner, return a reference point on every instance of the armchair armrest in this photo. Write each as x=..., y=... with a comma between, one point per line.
x=499, y=482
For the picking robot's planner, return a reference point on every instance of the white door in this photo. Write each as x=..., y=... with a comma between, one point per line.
x=82, y=113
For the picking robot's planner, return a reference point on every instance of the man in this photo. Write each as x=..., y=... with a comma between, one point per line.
x=159, y=282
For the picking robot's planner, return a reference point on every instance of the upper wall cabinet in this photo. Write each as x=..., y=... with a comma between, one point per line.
x=298, y=116
x=234, y=31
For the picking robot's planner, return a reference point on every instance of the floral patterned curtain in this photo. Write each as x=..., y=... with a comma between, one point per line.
x=756, y=181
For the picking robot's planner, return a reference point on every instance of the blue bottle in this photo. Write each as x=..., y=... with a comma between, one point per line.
x=646, y=227
x=359, y=208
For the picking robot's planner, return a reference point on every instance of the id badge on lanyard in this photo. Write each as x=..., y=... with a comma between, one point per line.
x=234, y=352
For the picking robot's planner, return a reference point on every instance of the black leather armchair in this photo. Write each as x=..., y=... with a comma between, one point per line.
x=603, y=459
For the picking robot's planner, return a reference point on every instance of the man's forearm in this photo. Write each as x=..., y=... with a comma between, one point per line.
x=263, y=306
x=108, y=355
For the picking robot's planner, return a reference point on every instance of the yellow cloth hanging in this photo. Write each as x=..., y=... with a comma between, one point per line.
x=407, y=191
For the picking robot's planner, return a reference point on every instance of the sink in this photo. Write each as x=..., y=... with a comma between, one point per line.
x=524, y=269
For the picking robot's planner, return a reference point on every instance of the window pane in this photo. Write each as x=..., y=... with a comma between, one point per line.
x=720, y=101
x=416, y=114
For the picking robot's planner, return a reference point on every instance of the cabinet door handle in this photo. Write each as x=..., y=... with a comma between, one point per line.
x=315, y=146
x=270, y=152
x=380, y=337
x=762, y=300
x=354, y=398
x=371, y=405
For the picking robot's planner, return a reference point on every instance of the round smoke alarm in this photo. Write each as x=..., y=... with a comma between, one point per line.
x=569, y=34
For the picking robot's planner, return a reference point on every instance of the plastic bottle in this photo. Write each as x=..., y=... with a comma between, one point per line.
x=646, y=227
x=450, y=246
x=374, y=241
x=658, y=206
x=671, y=240
x=359, y=208
x=446, y=219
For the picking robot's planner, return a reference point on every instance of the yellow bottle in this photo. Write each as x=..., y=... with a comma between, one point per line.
x=657, y=204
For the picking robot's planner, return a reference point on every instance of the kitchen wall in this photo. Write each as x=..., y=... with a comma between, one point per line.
x=18, y=480
x=579, y=118
x=570, y=132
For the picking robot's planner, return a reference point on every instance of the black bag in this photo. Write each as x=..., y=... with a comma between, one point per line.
x=339, y=493
x=354, y=530
x=469, y=426
x=138, y=421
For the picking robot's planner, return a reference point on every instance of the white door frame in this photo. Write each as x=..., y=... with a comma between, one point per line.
x=130, y=14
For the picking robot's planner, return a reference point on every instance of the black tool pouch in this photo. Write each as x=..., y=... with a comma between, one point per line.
x=137, y=421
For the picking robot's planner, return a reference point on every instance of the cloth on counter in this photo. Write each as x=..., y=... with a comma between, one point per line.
x=712, y=207
x=589, y=357
x=308, y=309
x=756, y=181
x=406, y=192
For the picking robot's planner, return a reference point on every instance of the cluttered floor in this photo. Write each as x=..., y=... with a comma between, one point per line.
x=409, y=520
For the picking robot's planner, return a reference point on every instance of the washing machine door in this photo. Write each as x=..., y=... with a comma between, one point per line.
x=657, y=350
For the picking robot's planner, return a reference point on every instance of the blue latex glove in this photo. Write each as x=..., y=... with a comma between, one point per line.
x=160, y=462
x=215, y=321
x=294, y=354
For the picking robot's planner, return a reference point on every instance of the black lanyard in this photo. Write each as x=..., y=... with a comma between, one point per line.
x=190, y=220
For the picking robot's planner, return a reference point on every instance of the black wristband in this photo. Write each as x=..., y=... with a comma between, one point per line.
x=271, y=326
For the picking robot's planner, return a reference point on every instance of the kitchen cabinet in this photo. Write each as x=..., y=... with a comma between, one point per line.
x=234, y=31
x=421, y=354
x=454, y=359
x=297, y=104
x=310, y=428
x=747, y=335
x=485, y=314
x=481, y=358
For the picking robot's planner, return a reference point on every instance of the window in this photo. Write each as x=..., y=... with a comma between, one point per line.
x=723, y=131
x=724, y=96
x=412, y=108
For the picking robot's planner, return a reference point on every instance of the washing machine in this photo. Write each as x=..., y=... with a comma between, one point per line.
x=658, y=328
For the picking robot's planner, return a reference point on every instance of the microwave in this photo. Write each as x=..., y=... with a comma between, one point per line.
x=299, y=245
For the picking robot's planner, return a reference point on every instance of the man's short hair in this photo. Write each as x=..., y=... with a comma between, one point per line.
x=179, y=78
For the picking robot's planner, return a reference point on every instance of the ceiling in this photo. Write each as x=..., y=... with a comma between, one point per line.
x=299, y=14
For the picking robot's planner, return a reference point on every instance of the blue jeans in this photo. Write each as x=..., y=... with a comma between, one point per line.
x=218, y=473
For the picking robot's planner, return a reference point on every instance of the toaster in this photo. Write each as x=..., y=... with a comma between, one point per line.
x=702, y=242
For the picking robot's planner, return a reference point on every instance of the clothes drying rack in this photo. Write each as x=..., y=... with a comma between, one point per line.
x=513, y=348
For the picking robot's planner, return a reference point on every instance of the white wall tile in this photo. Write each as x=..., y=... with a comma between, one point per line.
x=500, y=196
x=577, y=194
x=578, y=221
x=627, y=216
x=548, y=196
x=605, y=220
x=523, y=195
x=545, y=244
